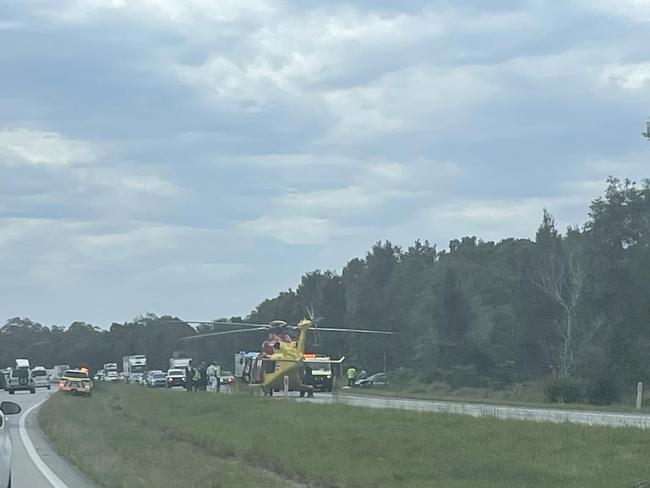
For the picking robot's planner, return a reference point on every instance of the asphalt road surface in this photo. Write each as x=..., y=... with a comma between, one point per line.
x=35, y=465
x=611, y=419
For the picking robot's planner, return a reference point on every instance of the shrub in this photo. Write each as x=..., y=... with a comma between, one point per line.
x=562, y=390
x=459, y=376
x=603, y=391
x=402, y=378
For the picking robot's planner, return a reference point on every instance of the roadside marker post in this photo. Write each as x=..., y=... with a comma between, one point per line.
x=639, y=395
x=285, y=382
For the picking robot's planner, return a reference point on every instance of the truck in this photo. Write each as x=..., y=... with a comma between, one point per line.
x=244, y=364
x=110, y=372
x=179, y=363
x=134, y=368
x=22, y=364
x=59, y=369
x=321, y=371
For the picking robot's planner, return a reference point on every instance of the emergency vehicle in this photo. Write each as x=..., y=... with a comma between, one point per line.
x=321, y=371
x=76, y=382
x=244, y=365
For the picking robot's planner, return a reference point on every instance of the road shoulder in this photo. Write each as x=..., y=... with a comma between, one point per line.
x=603, y=418
x=69, y=474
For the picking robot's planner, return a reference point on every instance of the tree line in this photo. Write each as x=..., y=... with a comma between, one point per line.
x=572, y=305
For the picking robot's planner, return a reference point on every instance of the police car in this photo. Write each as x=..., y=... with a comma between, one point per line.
x=76, y=382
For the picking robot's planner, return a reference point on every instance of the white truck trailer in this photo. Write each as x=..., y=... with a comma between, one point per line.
x=59, y=369
x=110, y=372
x=244, y=365
x=134, y=368
x=179, y=363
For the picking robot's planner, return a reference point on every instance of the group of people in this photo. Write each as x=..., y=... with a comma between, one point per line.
x=353, y=376
x=204, y=377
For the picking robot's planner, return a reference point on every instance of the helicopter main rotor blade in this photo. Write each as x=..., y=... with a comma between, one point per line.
x=211, y=334
x=213, y=322
x=216, y=322
x=356, y=331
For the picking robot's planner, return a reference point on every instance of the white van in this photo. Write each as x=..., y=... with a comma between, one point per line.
x=20, y=378
x=40, y=377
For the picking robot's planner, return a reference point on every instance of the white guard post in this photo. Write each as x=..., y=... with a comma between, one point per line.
x=285, y=382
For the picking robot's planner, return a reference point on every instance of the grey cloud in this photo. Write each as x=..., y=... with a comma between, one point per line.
x=249, y=134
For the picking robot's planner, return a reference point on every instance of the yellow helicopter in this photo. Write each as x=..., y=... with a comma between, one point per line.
x=279, y=366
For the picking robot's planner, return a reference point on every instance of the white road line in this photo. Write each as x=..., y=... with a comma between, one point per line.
x=53, y=479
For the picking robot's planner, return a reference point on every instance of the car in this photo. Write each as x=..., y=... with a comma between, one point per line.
x=41, y=380
x=76, y=382
x=20, y=380
x=377, y=379
x=227, y=378
x=175, y=377
x=157, y=379
x=6, y=408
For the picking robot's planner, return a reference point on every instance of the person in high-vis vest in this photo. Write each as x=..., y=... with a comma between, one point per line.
x=218, y=377
x=196, y=379
x=352, y=375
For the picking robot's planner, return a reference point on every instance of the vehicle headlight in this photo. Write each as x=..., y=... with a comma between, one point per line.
x=329, y=377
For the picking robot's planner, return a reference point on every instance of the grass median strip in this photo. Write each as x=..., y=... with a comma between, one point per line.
x=127, y=436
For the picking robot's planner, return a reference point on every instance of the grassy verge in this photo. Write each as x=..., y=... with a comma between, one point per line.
x=134, y=437
x=118, y=450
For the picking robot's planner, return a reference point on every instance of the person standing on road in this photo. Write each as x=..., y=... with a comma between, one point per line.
x=195, y=379
x=203, y=377
x=218, y=371
x=308, y=377
x=189, y=376
x=352, y=376
x=212, y=377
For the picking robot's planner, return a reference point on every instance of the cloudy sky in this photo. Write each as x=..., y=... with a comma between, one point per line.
x=193, y=157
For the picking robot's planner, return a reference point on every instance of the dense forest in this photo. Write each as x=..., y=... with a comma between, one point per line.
x=572, y=305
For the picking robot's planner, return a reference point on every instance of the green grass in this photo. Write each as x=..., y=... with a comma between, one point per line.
x=129, y=436
x=118, y=450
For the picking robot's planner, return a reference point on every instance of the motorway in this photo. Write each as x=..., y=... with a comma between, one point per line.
x=611, y=419
x=35, y=465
